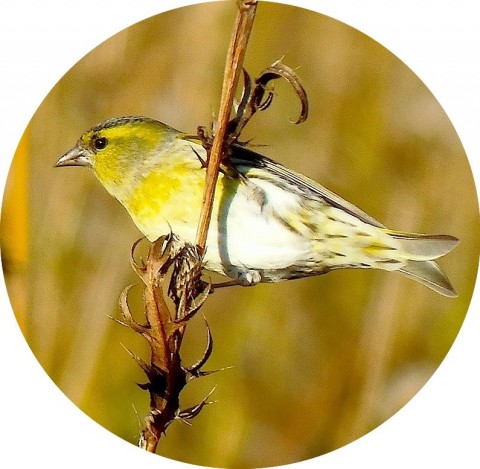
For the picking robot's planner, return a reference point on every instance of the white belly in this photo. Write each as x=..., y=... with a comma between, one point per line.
x=245, y=236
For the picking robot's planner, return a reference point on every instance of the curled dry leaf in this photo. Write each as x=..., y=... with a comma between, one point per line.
x=253, y=97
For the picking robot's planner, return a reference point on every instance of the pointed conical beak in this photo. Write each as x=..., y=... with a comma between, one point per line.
x=77, y=156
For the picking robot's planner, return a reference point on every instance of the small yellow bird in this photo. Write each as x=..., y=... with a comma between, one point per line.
x=268, y=224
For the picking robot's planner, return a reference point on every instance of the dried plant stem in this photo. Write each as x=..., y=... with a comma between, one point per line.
x=164, y=331
x=174, y=267
x=233, y=67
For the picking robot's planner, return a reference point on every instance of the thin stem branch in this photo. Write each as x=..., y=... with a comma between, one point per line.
x=236, y=53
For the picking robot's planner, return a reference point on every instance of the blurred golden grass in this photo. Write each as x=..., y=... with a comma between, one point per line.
x=316, y=362
x=14, y=229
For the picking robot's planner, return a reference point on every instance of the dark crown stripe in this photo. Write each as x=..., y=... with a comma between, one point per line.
x=116, y=121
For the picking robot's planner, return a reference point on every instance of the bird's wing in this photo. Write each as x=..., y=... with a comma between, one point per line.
x=243, y=157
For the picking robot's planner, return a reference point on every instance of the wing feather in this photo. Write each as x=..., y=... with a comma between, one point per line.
x=244, y=157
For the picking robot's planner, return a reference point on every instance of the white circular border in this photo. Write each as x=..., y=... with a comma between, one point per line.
x=40, y=41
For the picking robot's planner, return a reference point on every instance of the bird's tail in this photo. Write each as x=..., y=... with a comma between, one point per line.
x=420, y=250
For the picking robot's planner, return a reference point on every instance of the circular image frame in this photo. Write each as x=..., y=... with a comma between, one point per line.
x=322, y=279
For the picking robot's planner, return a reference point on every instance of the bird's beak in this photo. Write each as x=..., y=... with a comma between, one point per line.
x=77, y=156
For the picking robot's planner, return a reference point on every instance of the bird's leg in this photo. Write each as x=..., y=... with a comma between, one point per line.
x=245, y=278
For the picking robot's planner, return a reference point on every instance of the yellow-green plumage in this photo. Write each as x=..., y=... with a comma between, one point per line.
x=268, y=222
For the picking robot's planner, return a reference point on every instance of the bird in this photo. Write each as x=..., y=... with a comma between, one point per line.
x=269, y=223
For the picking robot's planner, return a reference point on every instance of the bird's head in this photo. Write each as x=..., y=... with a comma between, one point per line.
x=120, y=149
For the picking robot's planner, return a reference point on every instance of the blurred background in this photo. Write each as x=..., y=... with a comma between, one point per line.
x=316, y=363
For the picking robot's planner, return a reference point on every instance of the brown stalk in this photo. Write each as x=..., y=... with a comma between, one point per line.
x=233, y=67
x=174, y=268
x=169, y=262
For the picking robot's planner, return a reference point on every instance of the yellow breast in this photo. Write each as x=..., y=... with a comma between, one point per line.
x=170, y=198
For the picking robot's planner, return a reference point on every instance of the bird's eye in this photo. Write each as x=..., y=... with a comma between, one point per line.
x=100, y=143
